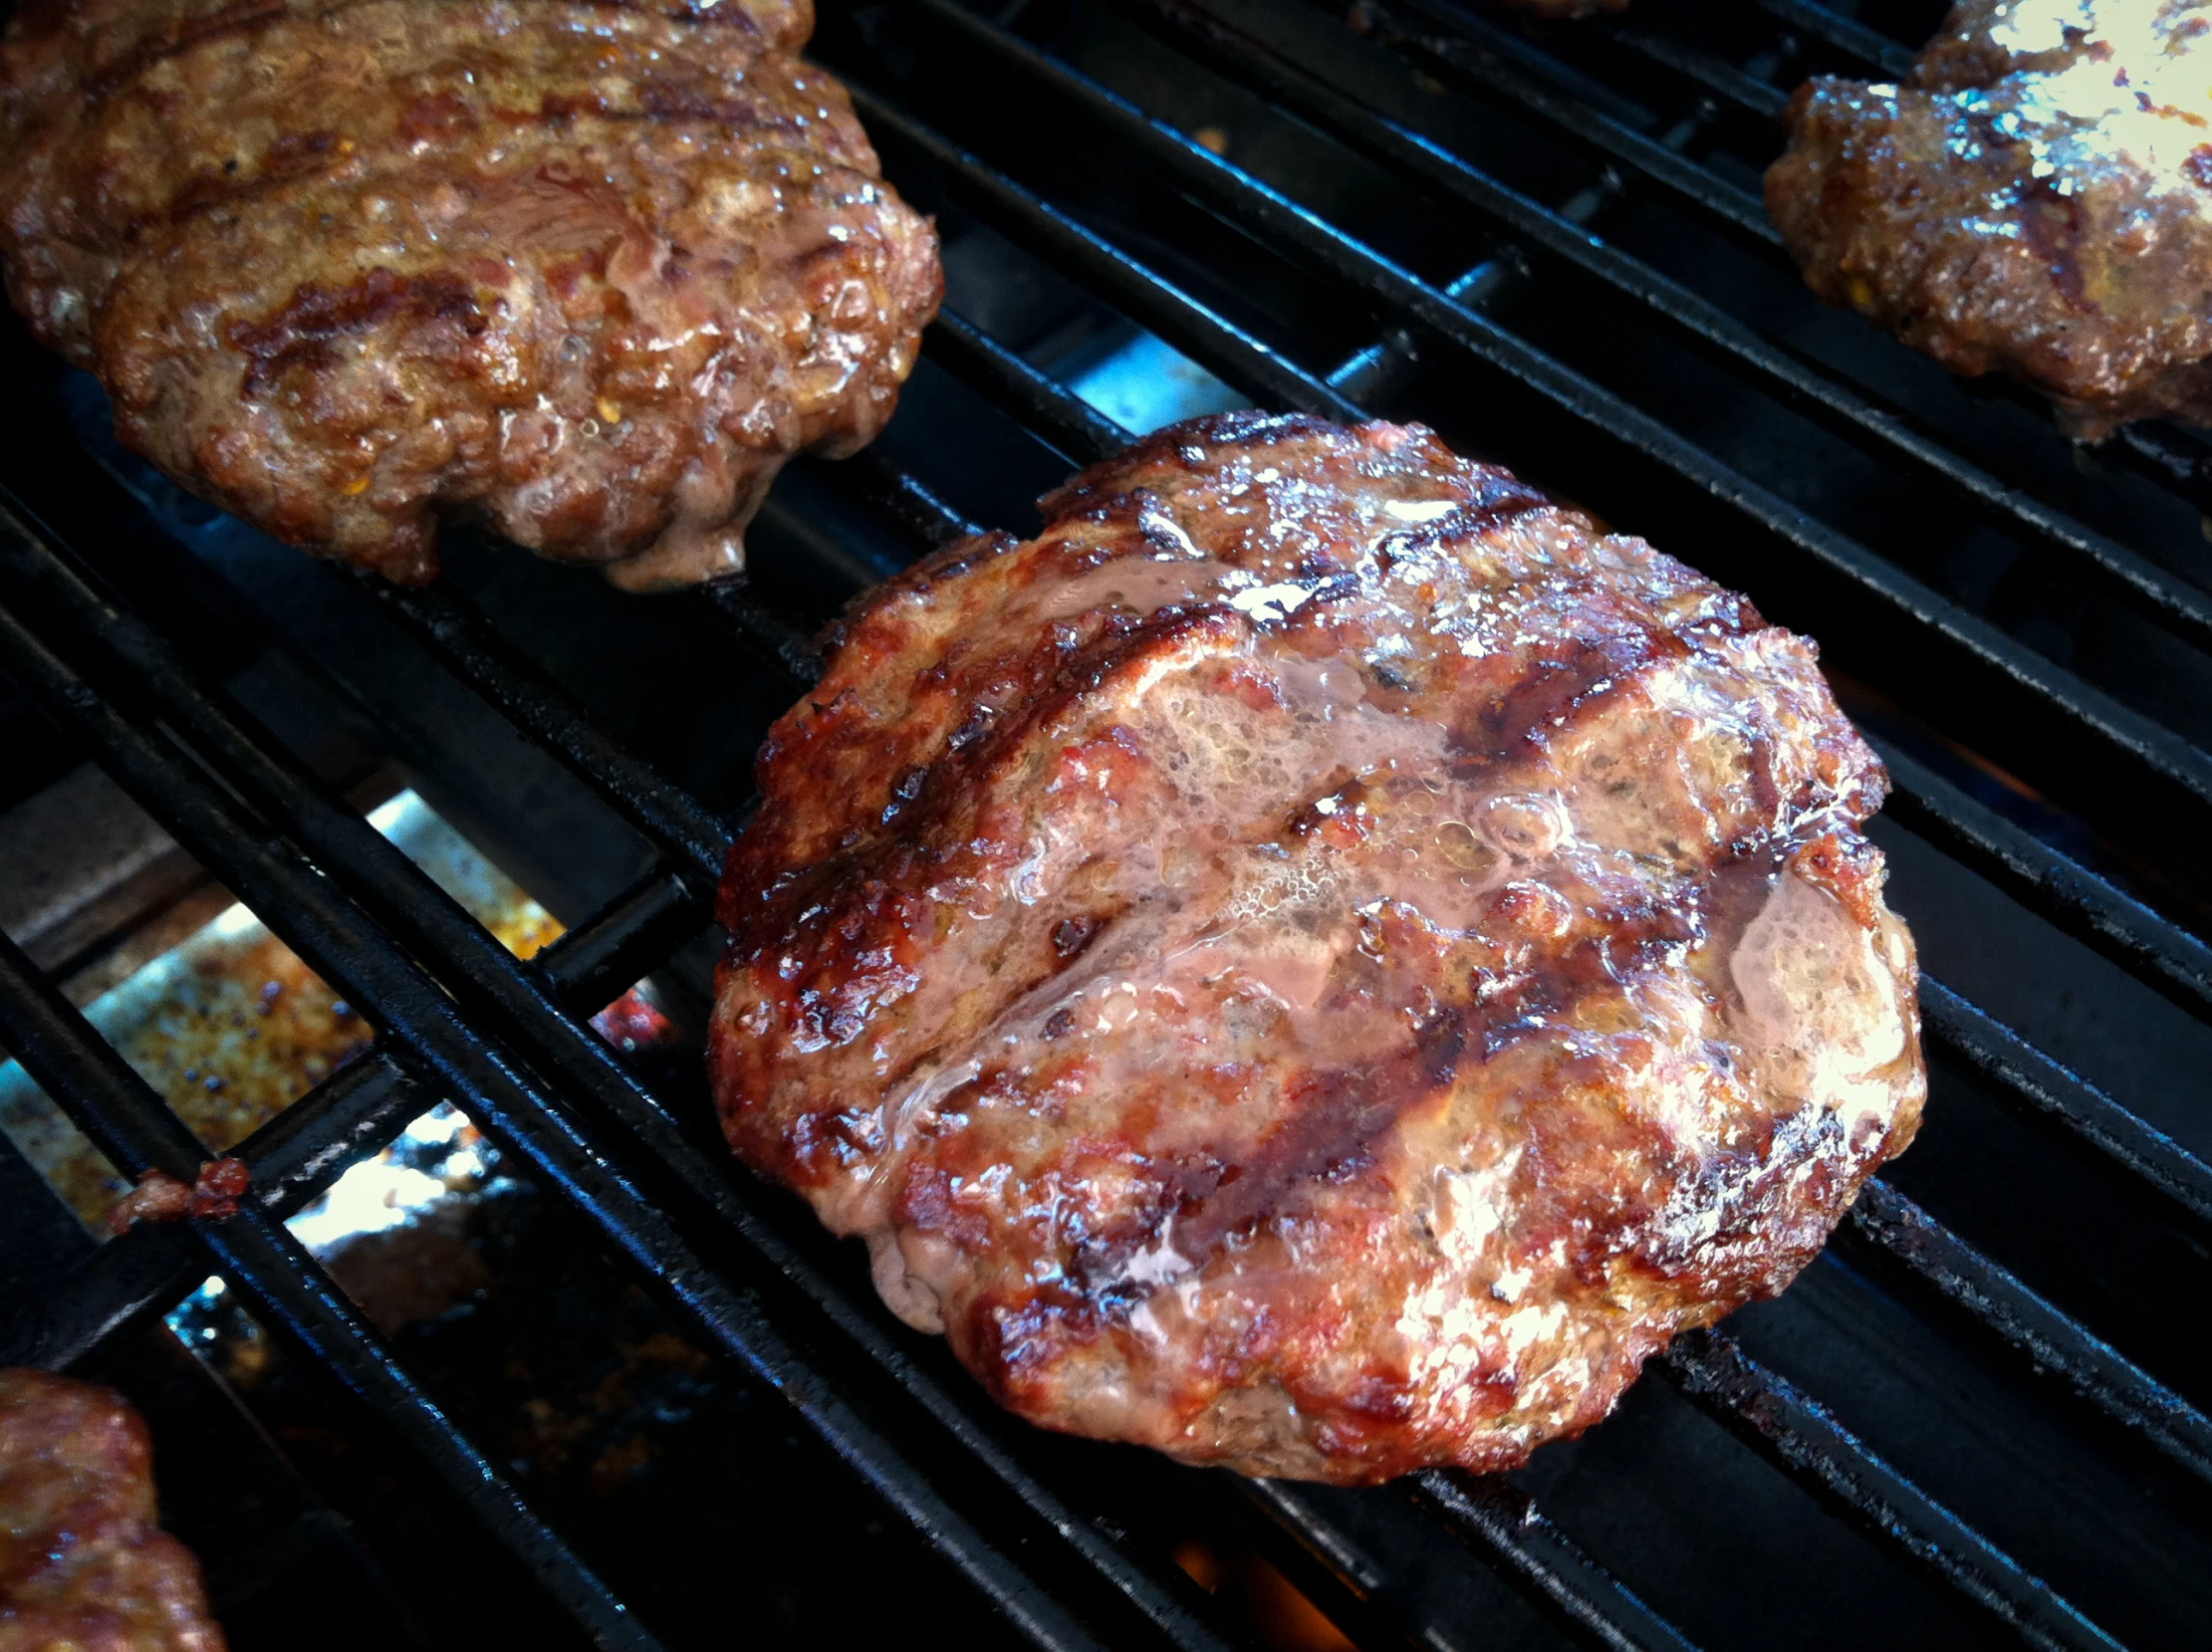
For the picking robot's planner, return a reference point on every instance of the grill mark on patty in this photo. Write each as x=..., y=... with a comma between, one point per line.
x=1548, y=693
x=1335, y=1116
x=302, y=331
x=102, y=85
x=437, y=121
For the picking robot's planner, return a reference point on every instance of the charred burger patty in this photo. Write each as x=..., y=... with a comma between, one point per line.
x=1321, y=960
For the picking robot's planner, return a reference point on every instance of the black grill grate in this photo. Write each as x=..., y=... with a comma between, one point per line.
x=1649, y=131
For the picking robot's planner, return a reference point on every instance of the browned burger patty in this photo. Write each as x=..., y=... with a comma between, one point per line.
x=587, y=272
x=2038, y=201
x=82, y=1565
x=1321, y=960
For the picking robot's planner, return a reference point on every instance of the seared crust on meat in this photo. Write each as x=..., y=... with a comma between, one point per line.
x=82, y=1564
x=1320, y=962
x=2037, y=203
x=587, y=271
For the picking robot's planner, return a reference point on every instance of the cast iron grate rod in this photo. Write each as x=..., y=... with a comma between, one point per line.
x=351, y=1115
x=2033, y=1079
x=1470, y=51
x=426, y=1030
x=1497, y=1520
x=2100, y=1373
x=1747, y=90
x=1256, y=64
x=113, y=1105
x=1802, y=1438
x=1843, y=34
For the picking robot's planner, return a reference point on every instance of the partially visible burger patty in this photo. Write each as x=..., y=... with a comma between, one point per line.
x=1321, y=960
x=82, y=1564
x=2036, y=200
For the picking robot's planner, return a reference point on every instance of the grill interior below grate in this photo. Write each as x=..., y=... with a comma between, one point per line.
x=675, y=1413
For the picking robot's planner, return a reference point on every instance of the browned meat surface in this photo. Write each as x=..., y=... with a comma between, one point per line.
x=1321, y=960
x=82, y=1566
x=2038, y=201
x=587, y=272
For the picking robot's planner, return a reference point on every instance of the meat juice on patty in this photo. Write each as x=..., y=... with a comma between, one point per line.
x=1320, y=962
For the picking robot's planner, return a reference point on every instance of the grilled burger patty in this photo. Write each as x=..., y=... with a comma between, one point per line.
x=82, y=1564
x=589, y=273
x=2037, y=201
x=1320, y=962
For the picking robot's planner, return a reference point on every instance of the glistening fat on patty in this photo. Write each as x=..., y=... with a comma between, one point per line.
x=1321, y=960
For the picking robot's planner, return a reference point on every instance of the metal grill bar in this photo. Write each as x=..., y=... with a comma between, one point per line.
x=150, y=1270
x=1847, y=35
x=355, y=1113
x=782, y=644
x=131, y=1124
x=1709, y=74
x=905, y=500
x=1035, y=400
x=1798, y=1435
x=2029, y=1076
x=2156, y=951
x=1473, y=51
x=2059, y=1344
x=1053, y=236
x=1507, y=1522
x=348, y=950
x=673, y=820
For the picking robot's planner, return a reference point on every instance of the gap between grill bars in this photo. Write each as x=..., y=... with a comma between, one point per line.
x=550, y=1104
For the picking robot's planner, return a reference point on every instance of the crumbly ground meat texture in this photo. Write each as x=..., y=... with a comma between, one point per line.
x=586, y=273
x=2036, y=201
x=82, y=1564
x=1320, y=962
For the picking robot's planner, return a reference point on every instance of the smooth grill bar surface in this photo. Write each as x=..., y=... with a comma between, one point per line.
x=459, y=1020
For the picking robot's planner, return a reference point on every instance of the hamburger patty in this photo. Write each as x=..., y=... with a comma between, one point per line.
x=584, y=272
x=82, y=1564
x=1321, y=960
